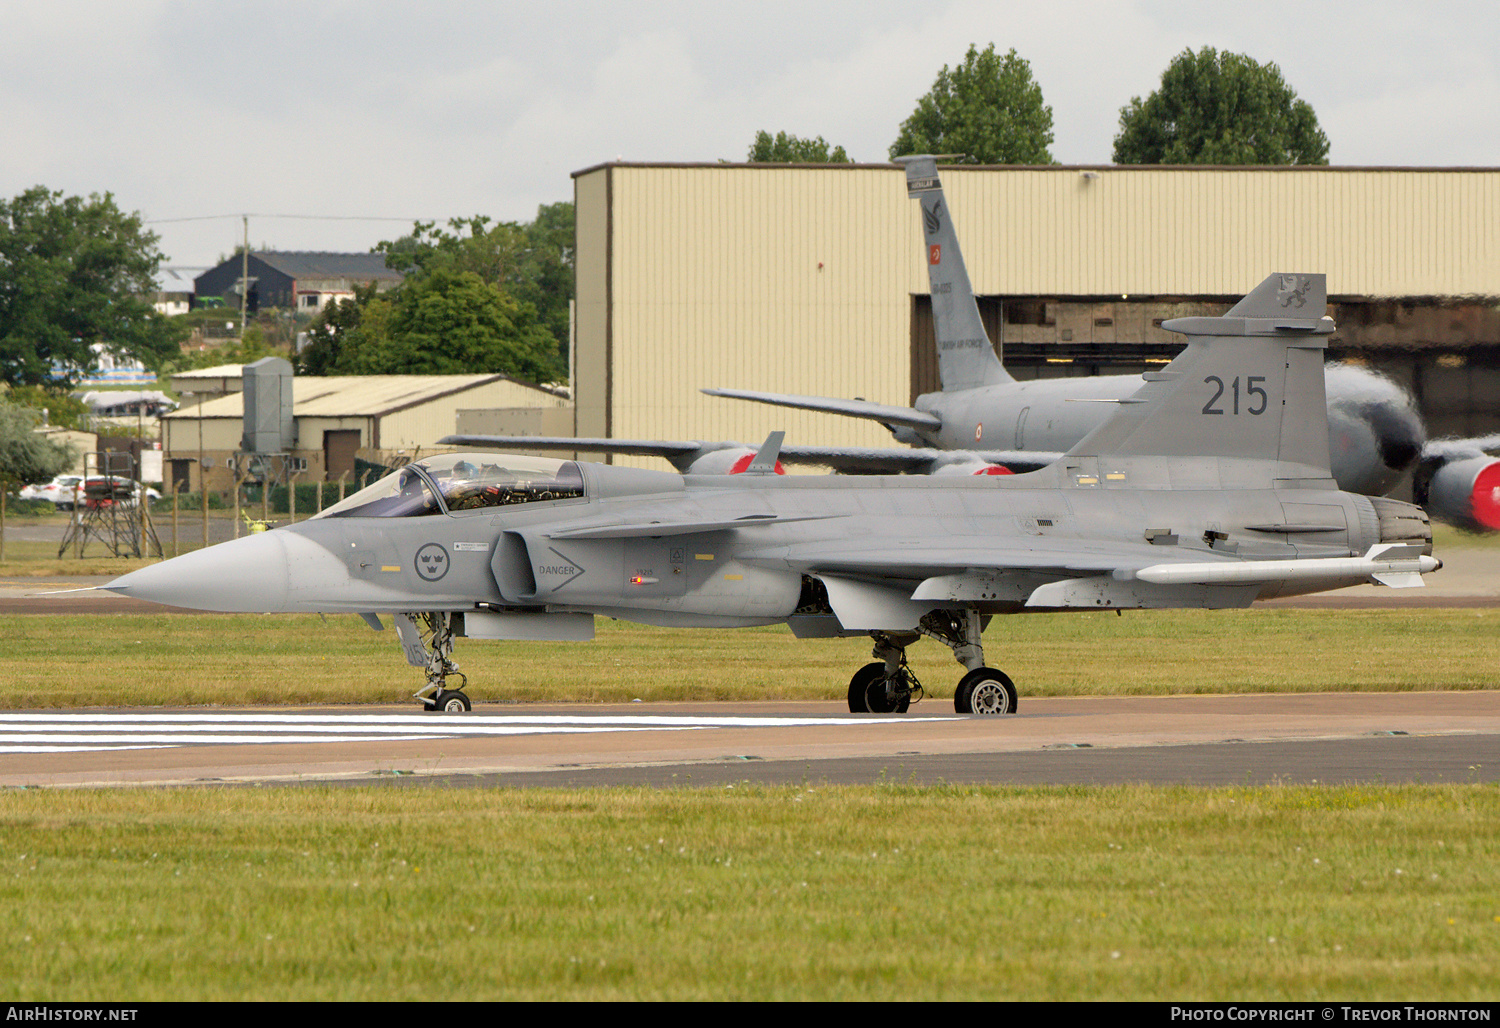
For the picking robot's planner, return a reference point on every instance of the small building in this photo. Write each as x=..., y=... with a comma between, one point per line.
x=193, y=387
x=174, y=290
x=81, y=443
x=382, y=419
x=301, y=281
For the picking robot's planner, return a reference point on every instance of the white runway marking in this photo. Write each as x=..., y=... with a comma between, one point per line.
x=63, y=733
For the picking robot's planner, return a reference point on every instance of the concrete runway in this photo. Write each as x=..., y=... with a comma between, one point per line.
x=1329, y=737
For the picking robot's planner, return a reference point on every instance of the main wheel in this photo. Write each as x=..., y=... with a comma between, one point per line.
x=985, y=691
x=451, y=701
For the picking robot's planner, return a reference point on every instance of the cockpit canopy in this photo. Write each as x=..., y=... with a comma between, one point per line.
x=458, y=483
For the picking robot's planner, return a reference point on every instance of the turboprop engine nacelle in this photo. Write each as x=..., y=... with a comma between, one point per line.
x=732, y=461
x=1464, y=492
x=972, y=468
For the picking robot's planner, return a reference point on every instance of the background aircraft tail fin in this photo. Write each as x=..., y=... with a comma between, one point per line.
x=966, y=360
x=1249, y=386
x=1284, y=296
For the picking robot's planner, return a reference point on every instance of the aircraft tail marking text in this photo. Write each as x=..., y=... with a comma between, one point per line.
x=966, y=359
x=1249, y=386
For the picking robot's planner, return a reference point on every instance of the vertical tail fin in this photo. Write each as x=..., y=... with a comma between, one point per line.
x=1249, y=386
x=966, y=360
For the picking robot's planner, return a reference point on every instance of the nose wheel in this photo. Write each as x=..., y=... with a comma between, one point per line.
x=875, y=691
x=449, y=701
x=427, y=639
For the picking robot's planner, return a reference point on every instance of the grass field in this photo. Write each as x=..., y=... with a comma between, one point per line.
x=810, y=892
x=69, y=661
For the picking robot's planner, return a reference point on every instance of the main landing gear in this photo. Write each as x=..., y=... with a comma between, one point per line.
x=889, y=686
x=436, y=630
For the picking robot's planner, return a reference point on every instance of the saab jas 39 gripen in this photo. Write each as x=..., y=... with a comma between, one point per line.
x=983, y=421
x=1207, y=487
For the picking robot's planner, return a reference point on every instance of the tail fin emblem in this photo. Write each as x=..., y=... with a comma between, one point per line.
x=1289, y=294
x=935, y=254
x=931, y=220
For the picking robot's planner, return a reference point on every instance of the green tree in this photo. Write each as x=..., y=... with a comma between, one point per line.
x=74, y=272
x=339, y=332
x=62, y=408
x=442, y=323
x=533, y=263
x=544, y=273
x=788, y=149
x=479, y=296
x=26, y=457
x=490, y=250
x=989, y=109
x=1220, y=108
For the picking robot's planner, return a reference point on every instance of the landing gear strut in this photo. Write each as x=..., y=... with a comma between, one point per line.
x=983, y=690
x=432, y=650
x=888, y=685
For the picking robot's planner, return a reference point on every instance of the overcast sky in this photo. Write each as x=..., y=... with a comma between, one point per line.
x=359, y=110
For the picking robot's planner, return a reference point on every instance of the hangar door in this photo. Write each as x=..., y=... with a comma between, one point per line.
x=339, y=448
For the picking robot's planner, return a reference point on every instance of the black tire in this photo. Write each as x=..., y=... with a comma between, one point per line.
x=451, y=701
x=881, y=704
x=859, y=685
x=867, y=692
x=985, y=691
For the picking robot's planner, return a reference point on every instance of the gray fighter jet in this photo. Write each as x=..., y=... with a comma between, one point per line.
x=1208, y=487
x=983, y=421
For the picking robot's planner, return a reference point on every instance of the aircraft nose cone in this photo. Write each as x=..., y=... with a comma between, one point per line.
x=246, y=575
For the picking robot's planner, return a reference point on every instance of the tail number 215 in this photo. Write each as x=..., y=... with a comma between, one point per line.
x=1253, y=392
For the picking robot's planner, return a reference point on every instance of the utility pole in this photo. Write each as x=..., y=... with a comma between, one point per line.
x=245, y=281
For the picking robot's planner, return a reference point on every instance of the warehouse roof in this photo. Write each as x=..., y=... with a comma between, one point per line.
x=349, y=396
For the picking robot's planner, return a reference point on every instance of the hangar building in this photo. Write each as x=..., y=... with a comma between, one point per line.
x=380, y=419
x=810, y=279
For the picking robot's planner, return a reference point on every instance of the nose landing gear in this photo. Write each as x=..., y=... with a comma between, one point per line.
x=427, y=639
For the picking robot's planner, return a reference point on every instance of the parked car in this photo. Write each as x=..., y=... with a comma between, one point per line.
x=58, y=491
x=102, y=490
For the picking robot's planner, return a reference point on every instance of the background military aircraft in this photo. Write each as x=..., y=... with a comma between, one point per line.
x=983, y=421
x=1210, y=486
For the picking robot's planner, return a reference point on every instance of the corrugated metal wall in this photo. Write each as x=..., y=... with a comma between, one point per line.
x=591, y=303
x=422, y=424
x=1218, y=231
x=798, y=279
